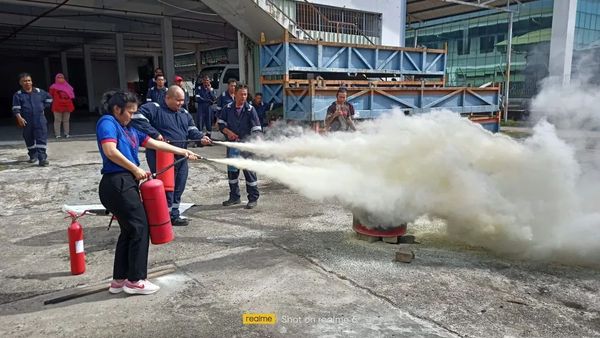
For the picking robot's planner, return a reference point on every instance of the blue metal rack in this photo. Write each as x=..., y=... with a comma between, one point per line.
x=289, y=69
x=322, y=57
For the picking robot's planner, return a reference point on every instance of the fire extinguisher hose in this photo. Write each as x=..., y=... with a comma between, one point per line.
x=175, y=163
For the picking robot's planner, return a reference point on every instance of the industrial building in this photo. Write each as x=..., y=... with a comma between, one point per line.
x=108, y=44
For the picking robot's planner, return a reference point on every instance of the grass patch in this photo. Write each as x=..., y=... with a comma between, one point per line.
x=516, y=134
x=511, y=123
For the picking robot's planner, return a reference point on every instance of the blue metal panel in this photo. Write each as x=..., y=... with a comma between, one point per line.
x=372, y=102
x=494, y=127
x=298, y=105
x=272, y=93
x=272, y=56
x=279, y=59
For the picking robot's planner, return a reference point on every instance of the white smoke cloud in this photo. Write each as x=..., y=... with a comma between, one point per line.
x=492, y=191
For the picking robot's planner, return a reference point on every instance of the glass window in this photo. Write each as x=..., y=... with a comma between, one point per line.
x=463, y=46
x=232, y=73
x=486, y=44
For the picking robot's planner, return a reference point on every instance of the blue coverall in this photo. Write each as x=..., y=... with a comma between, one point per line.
x=244, y=124
x=261, y=110
x=175, y=126
x=156, y=94
x=31, y=107
x=223, y=100
x=205, y=98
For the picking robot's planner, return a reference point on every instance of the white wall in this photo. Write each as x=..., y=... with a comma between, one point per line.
x=393, y=20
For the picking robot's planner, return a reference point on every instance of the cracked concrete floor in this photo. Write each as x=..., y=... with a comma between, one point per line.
x=291, y=256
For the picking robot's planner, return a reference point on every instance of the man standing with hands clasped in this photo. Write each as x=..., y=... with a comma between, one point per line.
x=238, y=121
x=168, y=121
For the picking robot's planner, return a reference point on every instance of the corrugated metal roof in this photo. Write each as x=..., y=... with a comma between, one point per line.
x=424, y=10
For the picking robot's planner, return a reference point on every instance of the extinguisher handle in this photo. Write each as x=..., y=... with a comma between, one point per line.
x=74, y=216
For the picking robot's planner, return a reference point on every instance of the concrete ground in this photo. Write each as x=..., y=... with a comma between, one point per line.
x=291, y=256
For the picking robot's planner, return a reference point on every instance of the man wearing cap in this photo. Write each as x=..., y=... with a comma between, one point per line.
x=181, y=84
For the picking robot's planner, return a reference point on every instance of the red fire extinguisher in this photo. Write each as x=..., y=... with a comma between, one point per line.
x=76, y=250
x=157, y=211
x=164, y=161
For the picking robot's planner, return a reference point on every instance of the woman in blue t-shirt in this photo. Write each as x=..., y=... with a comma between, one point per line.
x=119, y=189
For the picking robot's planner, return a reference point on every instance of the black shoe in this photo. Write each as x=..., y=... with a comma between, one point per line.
x=251, y=205
x=44, y=163
x=180, y=222
x=32, y=160
x=231, y=202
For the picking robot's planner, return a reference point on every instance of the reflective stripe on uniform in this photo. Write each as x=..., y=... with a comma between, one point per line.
x=251, y=184
x=256, y=128
x=233, y=181
x=32, y=147
x=192, y=128
x=175, y=206
x=221, y=121
x=41, y=146
x=138, y=116
x=16, y=107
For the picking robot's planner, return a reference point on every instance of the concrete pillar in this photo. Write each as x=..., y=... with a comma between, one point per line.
x=242, y=60
x=120, y=54
x=155, y=62
x=89, y=77
x=47, y=75
x=250, y=66
x=167, y=47
x=561, y=42
x=64, y=64
x=198, y=59
x=402, y=28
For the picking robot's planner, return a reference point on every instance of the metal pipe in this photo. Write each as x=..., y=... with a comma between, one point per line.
x=14, y=33
x=508, y=59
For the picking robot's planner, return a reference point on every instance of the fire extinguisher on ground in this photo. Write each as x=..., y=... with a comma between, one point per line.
x=76, y=250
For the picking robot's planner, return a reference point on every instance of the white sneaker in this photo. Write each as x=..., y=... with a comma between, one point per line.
x=116, y=286
x=141, y=287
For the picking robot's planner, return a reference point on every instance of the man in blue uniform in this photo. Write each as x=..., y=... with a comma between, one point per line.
x=157, y=93
x=168, y=121
x=28, y=108
x=179, y=81
x=226, y=97
x=205, y=96
x=238, y=122
x=261, y=109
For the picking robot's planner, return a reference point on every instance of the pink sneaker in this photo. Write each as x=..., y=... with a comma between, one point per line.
x=116, y=286
x=141, y=287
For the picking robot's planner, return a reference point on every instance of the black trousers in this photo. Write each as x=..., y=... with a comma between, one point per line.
x=119, y=193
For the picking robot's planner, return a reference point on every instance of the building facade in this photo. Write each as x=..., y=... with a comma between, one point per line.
x=477, y=42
